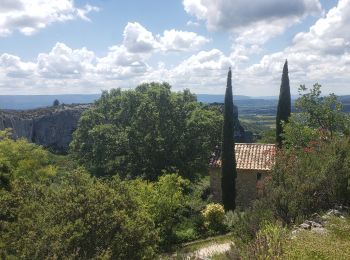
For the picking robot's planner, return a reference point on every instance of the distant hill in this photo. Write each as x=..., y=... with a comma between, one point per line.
x=35, y=101
x=21, y=102
x=246, y=104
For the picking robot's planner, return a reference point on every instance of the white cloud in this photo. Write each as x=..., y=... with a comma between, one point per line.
x=228, y=14
x=192, y=23
x=254, y=22
x=205, y=72
x=124, y=65
x=320, y=55
x=63, y=62
x=173, y=40
x=28, y=17
x=121, y=64
x=137, y=39
x=13, y=67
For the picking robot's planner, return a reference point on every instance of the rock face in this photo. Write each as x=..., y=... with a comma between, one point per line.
x=50, y=127
x=241, y=135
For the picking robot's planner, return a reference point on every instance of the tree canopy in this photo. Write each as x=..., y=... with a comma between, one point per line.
x=318, y=118
x=146, y=131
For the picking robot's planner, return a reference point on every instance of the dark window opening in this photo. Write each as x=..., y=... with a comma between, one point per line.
x=258, y=176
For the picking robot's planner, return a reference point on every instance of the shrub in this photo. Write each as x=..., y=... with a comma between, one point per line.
x=75, y=217
x=320, y=175
x=268, y=243
x=214, y=216
x=20, y=159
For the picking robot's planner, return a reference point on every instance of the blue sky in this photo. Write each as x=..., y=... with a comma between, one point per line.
x=66, y=46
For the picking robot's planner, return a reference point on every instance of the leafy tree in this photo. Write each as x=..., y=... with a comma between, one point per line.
x=322, y=112
x=20, y=159
x=165, y=200
x=56, y=103
x=229, y=172
x=144, y=131
x=284, y=105
x=319, y=118
x=75, y=216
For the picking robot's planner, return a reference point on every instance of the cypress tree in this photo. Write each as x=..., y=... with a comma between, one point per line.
x=228, y=169
x=284, y=105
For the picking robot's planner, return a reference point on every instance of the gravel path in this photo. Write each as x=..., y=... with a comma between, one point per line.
x=211, y=250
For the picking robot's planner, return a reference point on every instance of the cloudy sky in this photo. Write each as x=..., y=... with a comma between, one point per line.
x=85, y=46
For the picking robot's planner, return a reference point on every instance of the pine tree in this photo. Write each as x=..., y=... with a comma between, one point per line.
x=284, y=105
x=228, y=170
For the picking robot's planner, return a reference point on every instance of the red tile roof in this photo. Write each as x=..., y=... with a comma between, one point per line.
x=249, y=156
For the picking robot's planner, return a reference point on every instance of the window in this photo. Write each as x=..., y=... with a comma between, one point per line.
x=258, y=176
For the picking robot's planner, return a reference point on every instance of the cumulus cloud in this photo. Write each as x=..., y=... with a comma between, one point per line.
x=321, y=54
x=137, y=39
x=173, y=40
x=124, y=65
x=28, y=17
x=63, y=62
x=227, y=14
x=254, y=22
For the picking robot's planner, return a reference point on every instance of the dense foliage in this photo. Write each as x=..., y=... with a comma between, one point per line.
x=145, y=131
x=75, y=217
x=21, y=160
x=311, y=175
x=318, y=118
x=228, y=167
x=49, y=208
x=284, y=105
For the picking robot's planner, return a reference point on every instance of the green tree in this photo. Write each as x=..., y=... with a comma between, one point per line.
x=56, y=103
x=322, y=112
x=229, y=171
x=75, y=216
x=144, y=131
x=165, y=200
x=284, y=105
x=319, y=118
x=22, y=160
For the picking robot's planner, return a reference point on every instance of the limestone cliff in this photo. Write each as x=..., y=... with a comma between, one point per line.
x=50, y=127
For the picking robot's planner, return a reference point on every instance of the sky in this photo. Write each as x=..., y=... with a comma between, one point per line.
x=85, y=46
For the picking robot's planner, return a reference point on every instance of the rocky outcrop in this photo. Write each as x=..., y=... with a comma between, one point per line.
x=50, y=127
x=240, y=134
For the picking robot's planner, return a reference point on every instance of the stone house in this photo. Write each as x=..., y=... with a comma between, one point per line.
x=254, y=162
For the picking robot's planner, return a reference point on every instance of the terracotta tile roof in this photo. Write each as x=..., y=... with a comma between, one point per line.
x=249, y=156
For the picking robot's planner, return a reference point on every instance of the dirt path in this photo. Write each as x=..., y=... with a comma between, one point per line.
x=211, y=250
x=203, y=252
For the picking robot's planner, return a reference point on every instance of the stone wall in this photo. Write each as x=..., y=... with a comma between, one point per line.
x=246, y=184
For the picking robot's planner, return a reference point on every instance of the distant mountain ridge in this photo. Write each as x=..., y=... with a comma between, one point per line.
x=21, y=102
x=24, y=102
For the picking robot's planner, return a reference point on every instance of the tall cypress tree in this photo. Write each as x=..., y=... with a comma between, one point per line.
x=284, y=105
x=228, y=170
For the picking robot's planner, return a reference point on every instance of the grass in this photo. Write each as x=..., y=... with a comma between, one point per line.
x=335, y=244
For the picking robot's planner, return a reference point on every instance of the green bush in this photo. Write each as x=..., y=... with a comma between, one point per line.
x=319, y=174
x=214, y=216
x=75, y=216
x=20, y=159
